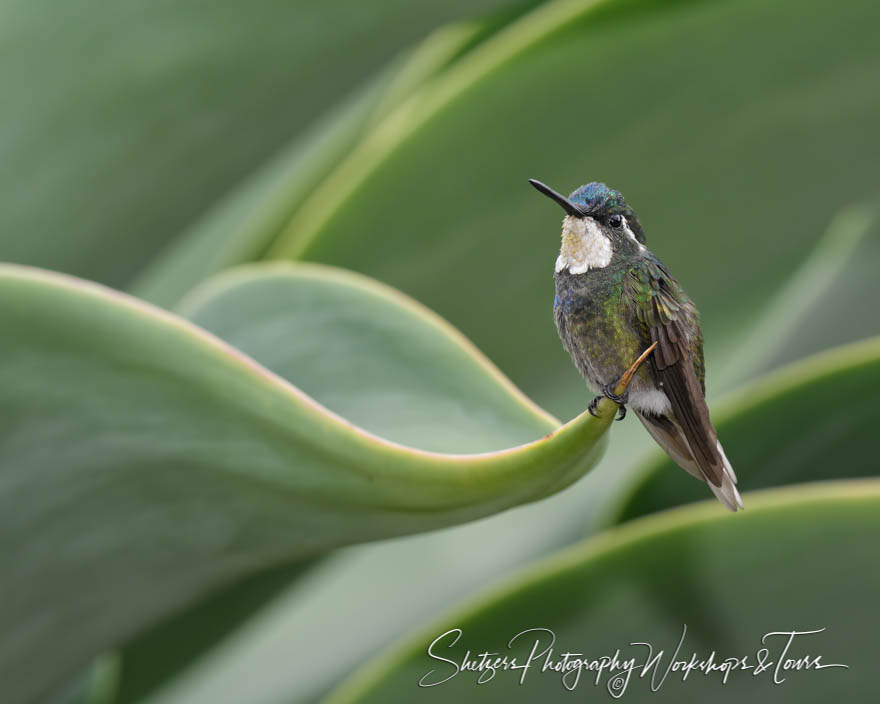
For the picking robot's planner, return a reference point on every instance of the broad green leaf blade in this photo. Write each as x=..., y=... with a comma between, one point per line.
x=97, y=684
x=313, y=326
x=268, y=670
x=843, y=313
x=124, y=122
x=314, y=613
x=798, y=559
x=700, y=140
x=243, y=224
x=783, y=429
x=805, y=315
x=775, y=430
x=156, y=655
x=146, y=463
x=376, y=358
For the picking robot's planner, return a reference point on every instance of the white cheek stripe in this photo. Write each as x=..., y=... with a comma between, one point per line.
x=584, y=247
x=632, y=235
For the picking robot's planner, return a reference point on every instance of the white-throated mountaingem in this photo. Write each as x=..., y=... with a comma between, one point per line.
x=614, y=298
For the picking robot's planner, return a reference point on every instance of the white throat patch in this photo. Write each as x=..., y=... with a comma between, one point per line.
x=584, y=247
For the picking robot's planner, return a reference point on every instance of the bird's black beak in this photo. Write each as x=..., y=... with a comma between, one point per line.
x=566, y=204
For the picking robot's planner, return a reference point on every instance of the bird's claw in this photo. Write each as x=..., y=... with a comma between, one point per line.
x=608, y=392
x=620, y=399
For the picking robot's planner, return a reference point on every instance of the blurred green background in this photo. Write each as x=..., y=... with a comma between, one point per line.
x=152, y=146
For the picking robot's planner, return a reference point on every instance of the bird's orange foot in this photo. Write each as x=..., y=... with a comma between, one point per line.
x=618, y=391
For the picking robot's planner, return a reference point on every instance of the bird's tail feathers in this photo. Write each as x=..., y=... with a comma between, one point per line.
x=727, y=493
x=670, y=437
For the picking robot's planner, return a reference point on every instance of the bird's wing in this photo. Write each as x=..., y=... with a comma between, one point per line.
x=664, y=311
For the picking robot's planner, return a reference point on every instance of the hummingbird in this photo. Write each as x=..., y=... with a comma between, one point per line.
x=614, y=299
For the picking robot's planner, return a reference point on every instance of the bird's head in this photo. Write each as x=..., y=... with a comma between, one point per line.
x=598, y=226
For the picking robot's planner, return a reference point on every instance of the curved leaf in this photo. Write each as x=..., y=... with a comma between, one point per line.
x=780, y=430
x=774, y=430
x=242, y=225
x=660, y=101
x=122, y=123
x=798, y=559
x=166, y=648
x=372, y=356
x=841, y=314
x=375, y=358
x=145, y=462
x=801, y=316
x=254, y=665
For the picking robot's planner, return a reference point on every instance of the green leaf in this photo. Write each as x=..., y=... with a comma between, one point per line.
x=255, y=666
x=797, y=560
x=381, y=361
x=781, y=429
x=243, y=224
x=166, y=648
x=803, y=315
x=122, y=124
x=774, y=430
x=840, y=315
x=146, y=463
x=662, y=102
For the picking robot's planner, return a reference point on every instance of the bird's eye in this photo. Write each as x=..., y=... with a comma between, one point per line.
x=616, y=221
